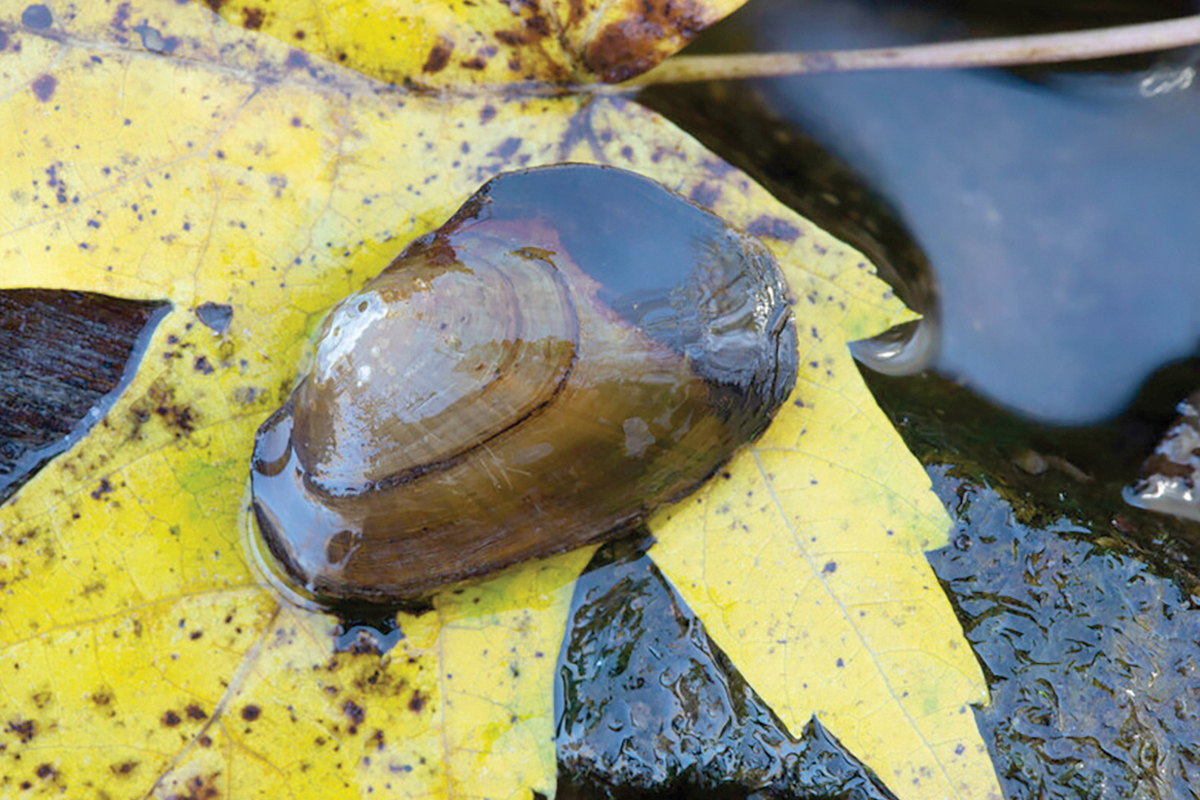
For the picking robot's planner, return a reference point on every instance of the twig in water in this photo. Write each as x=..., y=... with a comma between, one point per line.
x=1007, y=51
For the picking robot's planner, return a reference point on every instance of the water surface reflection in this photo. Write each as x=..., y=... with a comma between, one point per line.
x=1061, y=215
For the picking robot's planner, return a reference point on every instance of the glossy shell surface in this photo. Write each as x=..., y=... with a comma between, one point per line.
x=574, y=347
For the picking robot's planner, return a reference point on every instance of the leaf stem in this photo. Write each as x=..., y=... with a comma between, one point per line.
x=999, y=52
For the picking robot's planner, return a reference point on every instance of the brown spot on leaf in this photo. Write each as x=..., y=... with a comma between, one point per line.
x=195, y=712
x=251, y=713
x=123, y=767
x=202, y=366
x=439, y=56
x=25, y=729
x=252, y=18
x=354, y=712
x=629, y=47
x=102, y=489
x=510, y=38
x=533, y=28
x=416, y=702
x=171, y=719
x=198, y=787
x=44, y=86
x=774, y=228
x=121, y=17
x=537, y=25
x=45, y=771
x=705, y=195
x=160, y=400
x=576, y=14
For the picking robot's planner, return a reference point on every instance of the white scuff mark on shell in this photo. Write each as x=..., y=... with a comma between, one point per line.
x=637, y=437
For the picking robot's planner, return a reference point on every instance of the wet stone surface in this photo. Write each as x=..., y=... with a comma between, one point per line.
x=1082, y=610
x=1091, y=656
x=648, y=707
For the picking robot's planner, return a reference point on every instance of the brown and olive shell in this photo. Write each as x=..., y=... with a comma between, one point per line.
x=576, y=346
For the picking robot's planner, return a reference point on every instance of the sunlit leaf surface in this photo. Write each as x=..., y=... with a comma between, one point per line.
x=467, y=44
x=807, y=567
x=156, y=151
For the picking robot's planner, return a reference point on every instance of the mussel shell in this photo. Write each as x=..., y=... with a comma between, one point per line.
x=503, y=344
x=574, y=347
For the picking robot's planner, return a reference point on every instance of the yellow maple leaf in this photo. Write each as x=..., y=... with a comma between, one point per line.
x=159, y=152
x=443, y=44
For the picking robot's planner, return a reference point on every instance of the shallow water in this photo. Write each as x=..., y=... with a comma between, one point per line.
x=1060, y=211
